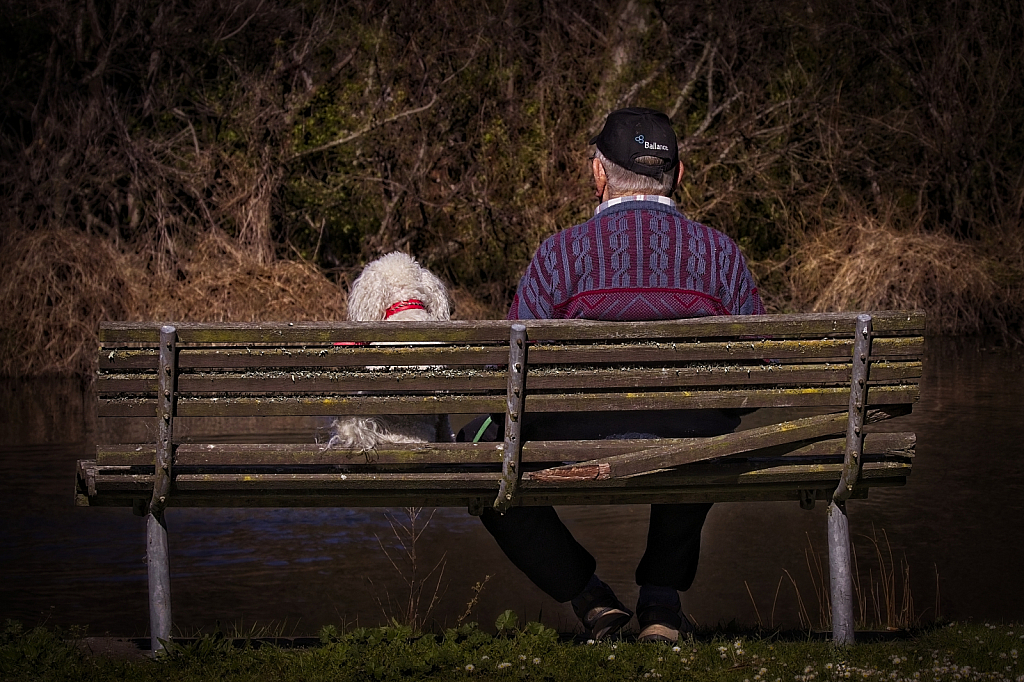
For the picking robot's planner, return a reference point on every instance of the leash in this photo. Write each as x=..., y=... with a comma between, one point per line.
x=483, y=427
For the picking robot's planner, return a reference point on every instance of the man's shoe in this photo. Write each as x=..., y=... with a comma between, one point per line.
x=660, y=623
x=600, y=612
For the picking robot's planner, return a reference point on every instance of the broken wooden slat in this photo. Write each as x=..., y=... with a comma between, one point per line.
x=690, y=450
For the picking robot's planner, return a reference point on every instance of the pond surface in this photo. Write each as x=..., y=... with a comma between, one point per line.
x=956, y=529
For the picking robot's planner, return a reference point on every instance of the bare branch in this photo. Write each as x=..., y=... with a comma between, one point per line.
x=691, y=81
x=245, y=23
x=364, y=130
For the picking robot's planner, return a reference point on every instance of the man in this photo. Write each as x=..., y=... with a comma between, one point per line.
x=638, y=258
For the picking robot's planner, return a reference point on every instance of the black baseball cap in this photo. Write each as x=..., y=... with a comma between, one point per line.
x=635, y=132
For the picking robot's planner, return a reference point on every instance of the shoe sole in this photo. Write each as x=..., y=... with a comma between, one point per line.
x=614, y=620
x=656, y=632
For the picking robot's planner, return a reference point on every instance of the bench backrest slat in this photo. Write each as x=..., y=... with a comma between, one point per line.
x=286, y=371
x=541, y=378
x=465, y=331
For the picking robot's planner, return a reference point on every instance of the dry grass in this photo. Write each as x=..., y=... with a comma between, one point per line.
x=58, y=286
x=866, y=264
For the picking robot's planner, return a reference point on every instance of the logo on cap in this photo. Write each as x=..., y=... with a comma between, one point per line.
x=651, y=145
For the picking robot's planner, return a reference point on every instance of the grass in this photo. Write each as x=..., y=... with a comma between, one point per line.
x=954, y=651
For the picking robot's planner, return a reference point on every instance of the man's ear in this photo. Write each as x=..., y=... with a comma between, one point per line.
x=679, y=175
x=600, y=178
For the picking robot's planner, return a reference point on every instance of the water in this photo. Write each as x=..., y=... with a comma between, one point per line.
x=958, y=525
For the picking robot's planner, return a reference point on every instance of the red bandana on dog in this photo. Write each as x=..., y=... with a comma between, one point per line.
x=411, y=304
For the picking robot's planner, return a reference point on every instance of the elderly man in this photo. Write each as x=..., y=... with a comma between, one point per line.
x=638, y=258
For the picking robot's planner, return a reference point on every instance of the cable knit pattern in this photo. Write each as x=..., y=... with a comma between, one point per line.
x=636, y=259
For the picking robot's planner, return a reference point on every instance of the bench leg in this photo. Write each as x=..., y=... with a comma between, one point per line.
x=159, y=582
x=841, y=573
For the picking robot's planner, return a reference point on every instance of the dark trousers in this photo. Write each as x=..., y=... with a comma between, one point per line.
x=540, y=545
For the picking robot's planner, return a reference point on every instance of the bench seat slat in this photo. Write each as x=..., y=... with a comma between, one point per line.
x=795, y=476
x=426, y=454
x=655, y=495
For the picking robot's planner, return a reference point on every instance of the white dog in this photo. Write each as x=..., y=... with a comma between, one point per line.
x=394, y=287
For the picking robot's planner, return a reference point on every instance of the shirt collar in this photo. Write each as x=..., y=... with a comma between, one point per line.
x=657, y=198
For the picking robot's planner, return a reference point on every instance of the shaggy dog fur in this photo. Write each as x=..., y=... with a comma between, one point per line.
x=383, y=283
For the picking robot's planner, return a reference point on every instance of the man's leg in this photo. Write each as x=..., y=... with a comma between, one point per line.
x=673, y=545
x=669, y=564
x=539, y=544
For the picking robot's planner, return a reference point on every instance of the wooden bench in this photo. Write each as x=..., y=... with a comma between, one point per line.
x=191, y=406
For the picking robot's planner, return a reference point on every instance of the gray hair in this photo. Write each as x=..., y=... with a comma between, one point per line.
x=622, y=182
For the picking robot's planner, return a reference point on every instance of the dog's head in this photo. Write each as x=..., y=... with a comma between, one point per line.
x=396, y=287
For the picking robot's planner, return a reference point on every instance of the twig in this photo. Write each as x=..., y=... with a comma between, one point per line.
x=760, y=624
x=364, y=130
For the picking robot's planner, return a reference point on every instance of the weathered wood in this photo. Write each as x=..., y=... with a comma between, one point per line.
x=322, y=358
x=316, y=357
x=431, y=454
x=720, y=351
x=276, y=382
x=808, y=325
x=285, y=375
x=471, y=404
x=690, y=450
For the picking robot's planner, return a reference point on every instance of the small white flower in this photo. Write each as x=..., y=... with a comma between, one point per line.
x=469, y=667
x=676, y=649
x=536, y=661
x=611, y=657
x=590, y=641
x=485, y=658
x=503, y=665
x=522, y=657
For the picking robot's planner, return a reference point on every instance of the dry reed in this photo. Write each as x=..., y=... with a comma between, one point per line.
x=884, y=599
x=866, y=264
x=58, y=286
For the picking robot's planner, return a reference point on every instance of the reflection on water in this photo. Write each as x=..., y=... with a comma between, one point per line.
x=959, y=519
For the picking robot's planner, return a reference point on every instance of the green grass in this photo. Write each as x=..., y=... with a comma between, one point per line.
x=956, y=651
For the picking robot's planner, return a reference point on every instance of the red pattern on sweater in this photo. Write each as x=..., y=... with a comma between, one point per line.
x=637, y=260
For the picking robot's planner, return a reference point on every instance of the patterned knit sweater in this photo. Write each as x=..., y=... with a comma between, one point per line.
x=638, y=258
